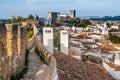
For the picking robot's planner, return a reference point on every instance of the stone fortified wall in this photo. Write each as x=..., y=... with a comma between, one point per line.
x=12, y=50
x=13, y=46
x=48, y=71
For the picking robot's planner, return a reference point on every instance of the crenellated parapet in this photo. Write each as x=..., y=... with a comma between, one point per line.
x=48, y=71
x=12, y=50
x=13, y=46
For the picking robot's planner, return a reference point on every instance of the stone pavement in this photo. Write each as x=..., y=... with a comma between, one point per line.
x=33, y=65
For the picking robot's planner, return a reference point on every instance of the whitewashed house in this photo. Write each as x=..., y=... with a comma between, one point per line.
x=114, y=27
x=48, y=38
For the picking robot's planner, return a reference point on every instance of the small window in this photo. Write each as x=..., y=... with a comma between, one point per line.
x=48, y=31
x=64, y=33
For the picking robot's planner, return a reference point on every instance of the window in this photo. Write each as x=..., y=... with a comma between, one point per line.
x=48, y=31
x=64, y=33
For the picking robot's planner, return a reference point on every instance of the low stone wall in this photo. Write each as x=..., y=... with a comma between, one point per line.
x=48, y=70
x=31, y=41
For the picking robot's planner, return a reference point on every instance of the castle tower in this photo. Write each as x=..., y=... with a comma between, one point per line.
x=48, y=38
x=64, y=41
x=11, y=50
x=72, y=13
x=117, y=59
x=51, y=17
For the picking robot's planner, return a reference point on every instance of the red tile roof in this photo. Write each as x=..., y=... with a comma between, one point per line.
x=73, y=52
x=70, y=68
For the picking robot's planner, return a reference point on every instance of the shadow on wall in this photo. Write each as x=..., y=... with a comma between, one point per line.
x=49, y=47
x=9, y=54
x=63, y=48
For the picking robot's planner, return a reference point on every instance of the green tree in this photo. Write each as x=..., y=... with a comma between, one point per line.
x=29, y=29
x=108, y=25
x=86, y=22
x=47, y=25
x=81, y=22
x=119, y=27
x=37, y=17
x=114, y=39
x=17, y=19
x=14, y=20
x=57, y=40
x=31, y=17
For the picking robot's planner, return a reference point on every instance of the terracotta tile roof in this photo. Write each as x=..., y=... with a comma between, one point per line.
x=93, y=25
x=117, y=67
x=94, y=34
x=70, y=68
x=89, y=43
x=107, y=46
x=75, y=45
x=81, y=35
x=73, y=52
x=71, y=31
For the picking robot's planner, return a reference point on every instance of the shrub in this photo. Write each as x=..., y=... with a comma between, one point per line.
x=57, y=40
x=114, y=38
x=29, y=29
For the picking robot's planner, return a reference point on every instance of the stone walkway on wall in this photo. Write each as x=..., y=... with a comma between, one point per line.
x=34, y=65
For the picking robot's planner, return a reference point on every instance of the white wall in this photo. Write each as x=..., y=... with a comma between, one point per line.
x=48, y=38
x=75, y=48
x=99, y=26
x=96, y=36
x=115, y=74
x=77, y=57
x=93, y=54
x=114, y=27
x=74, y=42
x=117, y=59
x=79, y=30
x=87, y=40
x=64, y=41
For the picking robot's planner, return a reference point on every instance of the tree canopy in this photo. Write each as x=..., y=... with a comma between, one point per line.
x=114, y=39
x=108, y=25
x=37, y=17
x=31, y=17
x=81, y=22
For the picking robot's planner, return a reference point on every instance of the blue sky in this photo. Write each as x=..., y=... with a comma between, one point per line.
x=41, y=7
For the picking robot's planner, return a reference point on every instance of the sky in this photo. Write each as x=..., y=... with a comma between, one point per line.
x=10, y=8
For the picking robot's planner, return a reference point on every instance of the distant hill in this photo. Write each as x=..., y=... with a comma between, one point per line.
x=107, y=18
x=5, y=20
